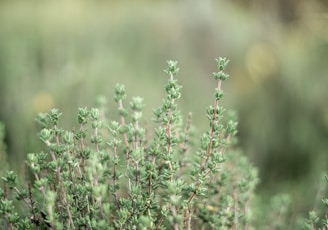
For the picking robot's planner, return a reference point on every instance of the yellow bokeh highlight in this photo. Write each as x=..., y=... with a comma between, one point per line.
x=260, y=61
x=43, y=102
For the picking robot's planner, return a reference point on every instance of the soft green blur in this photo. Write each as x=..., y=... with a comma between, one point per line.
x=65, y=53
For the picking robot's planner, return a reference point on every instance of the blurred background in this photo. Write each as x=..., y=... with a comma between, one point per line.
x=64, y=54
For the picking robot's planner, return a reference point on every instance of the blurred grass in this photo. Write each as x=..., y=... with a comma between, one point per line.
x=63, y=54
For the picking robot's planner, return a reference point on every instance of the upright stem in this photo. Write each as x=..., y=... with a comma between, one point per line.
x=135, y=146
x=61, y=182
x=169, y=133
x=125, y=140
x=114, y=178
x=210, y=144
x=82, y=151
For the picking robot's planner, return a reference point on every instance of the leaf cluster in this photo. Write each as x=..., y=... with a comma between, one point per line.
x=108, y=174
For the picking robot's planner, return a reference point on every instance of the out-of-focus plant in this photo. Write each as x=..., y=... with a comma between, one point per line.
x=318, y=217
x=3, y=152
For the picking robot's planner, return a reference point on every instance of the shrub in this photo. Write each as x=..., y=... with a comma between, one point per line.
x=109, y=174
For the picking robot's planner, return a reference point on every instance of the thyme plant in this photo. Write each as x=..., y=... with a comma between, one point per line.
x=108, y=174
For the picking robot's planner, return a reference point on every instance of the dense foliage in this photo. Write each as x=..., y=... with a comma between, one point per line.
x=109, y=174
x=117, y=175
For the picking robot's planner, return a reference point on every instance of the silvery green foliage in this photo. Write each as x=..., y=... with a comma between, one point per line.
x=108, y=174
